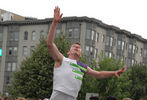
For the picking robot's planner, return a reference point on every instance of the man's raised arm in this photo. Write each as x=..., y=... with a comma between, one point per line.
x=56, y=55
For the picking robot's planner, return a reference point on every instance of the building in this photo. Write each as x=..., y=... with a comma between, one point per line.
x=9, y=16
x=18, y=39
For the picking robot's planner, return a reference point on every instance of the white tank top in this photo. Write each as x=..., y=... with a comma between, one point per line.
x=68, y=77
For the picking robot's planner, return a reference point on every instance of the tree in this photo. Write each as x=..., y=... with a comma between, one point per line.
x=138, y=75
x=106, y=87
x=34, y=77
x=112, y=86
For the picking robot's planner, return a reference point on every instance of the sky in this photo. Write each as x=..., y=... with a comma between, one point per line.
x=130, y=15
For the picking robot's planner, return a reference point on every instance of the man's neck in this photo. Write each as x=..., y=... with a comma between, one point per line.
x=74, y=57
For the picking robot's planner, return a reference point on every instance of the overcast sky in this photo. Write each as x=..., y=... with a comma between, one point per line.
x=130, y=15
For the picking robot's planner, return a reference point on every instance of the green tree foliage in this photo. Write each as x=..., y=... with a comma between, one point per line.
x=112, y=86
x=138, y=75
x=109, y=86
x=34, y=77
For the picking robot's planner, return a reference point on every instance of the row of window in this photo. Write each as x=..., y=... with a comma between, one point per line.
x=73, y=33
x=130, y=61
x=91, y=51
x=92, y=35
x=33, y=35
x=14, y=50
x=14, y=36
x=25, y=50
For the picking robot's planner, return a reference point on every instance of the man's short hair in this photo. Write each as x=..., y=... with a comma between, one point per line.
x=77, y=43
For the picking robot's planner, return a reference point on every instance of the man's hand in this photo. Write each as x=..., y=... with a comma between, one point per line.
x=117, y=73
x=57, y=15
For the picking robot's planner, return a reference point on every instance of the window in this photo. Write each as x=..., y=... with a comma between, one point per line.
x=11, y=17
x=25, y=35
x=16, y=36
x=123, y=45
x=130, y=48
x=25, y=51
x=33, y=35
x=134, y=47
x=108, y=54
x=58, y=32
x=7, y=79
x=12, y=51
x=96, y=37
x=92, y=35
x=1, y=36
x=91, y=51
x=103, y=38
x=70, y=33
x=118, y=44
x=13, y=36
x=87, y=50
x=109, y=41
x=76, y=33
x=95, y=53
x=42, y=34
x=11, y=66
x=88, y=32
x=15, y=51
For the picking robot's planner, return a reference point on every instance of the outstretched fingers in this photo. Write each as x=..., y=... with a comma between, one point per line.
x=57, y=15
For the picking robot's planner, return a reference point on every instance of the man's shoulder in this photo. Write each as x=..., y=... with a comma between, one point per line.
x=82, y=64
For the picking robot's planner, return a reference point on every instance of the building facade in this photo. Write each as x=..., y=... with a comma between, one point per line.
x=18, y=39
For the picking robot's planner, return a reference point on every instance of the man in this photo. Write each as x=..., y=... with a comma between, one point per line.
x=68, y=72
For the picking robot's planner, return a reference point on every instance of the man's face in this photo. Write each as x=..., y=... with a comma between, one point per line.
x=76, y=50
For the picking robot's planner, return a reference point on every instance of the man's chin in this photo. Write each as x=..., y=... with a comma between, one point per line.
x=78, y=55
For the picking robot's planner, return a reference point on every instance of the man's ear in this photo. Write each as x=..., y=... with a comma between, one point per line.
x=68, y=52
x=81, y=55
